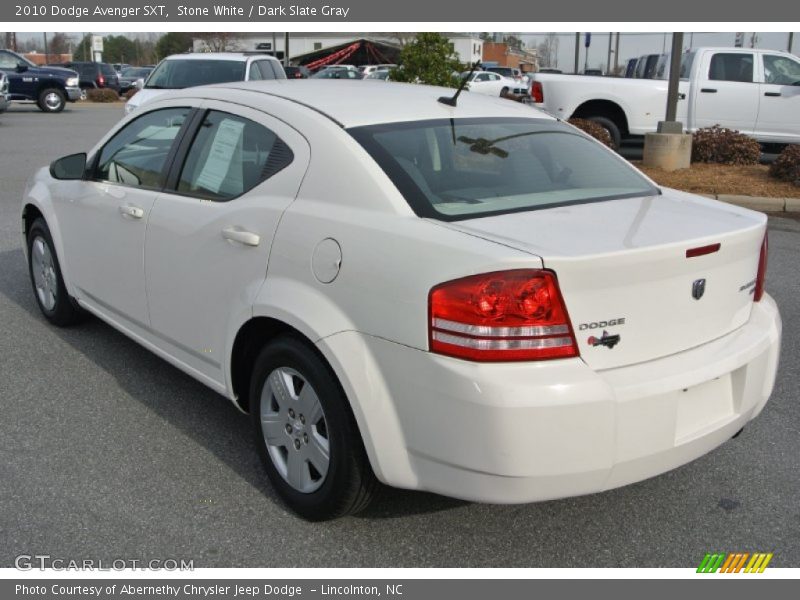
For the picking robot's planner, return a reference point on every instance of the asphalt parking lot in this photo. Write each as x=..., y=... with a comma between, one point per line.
x=108, y=452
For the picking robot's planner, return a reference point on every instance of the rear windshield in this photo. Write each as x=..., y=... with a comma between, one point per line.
x=453, y=169
x=182, y=73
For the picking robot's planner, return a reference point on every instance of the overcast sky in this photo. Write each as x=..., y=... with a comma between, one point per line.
x=635, y=44
x=631, y=44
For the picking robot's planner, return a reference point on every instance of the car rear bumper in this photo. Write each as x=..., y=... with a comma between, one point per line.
x=73, y=93
x=522, y=432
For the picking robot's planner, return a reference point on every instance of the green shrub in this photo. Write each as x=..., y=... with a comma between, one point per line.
x=102, y=95
x=787, y=165
x=598, y=132
x=725, y=146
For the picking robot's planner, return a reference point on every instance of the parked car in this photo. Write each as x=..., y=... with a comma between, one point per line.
x=120, y=67
x=336, y=73
x=94, y=75
x=646, y=66
x=367, y=69
x=382, y=75
x=474, y=300
x=50, y=87
x=493, y=84
x=3, y=92
x=131, y=75
x=203, y=68
x=298, y=72
x=510, y=72
x=754, y=91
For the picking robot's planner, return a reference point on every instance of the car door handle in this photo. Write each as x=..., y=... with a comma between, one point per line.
x=134, y=212
x=772, y=94
x=708, y=90
x=248, y=238
x=681, y=96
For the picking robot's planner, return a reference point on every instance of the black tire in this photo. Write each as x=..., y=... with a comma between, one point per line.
x=52, y=100
x=611, y=127
x=349, y=484
x=65, y=310
x=504, y=92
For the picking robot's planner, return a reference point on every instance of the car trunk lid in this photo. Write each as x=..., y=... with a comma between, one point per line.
x=623, y=270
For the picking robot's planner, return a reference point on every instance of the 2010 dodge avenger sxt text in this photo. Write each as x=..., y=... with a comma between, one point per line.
x=476, y=300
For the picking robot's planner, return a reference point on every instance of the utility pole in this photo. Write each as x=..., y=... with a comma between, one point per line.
x=46, y=59
x=616, y=55
x=286, y=49
x=274, y=44
x=577, y=51
x=674, y=79
x=608, y=60
x=791, y=39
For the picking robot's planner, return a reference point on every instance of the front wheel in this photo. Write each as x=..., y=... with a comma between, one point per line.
x=48, y=285
x=306, y=434
x=52, y=100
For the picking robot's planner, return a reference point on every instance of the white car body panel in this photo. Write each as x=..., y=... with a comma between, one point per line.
x=703, y=102
x=479, y=431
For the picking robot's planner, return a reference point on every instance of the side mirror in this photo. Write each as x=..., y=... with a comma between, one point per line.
x=139, y=84
x=21, y=68
x=69, y=167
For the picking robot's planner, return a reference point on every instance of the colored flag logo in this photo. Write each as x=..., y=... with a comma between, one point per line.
x=734, y=562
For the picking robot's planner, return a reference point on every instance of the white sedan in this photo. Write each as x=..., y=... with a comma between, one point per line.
x=493, y=84
x=475, y=300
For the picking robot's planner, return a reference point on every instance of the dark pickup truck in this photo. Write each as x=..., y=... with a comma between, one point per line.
x=50, y=87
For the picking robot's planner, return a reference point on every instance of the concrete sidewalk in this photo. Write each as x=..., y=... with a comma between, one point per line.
x=761, y=203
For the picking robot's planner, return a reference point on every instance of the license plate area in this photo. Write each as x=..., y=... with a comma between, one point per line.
x=703, y=408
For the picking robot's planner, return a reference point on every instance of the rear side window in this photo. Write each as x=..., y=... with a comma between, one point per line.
x=137, y=154
x=107, y=70
x=229, y=156
x=270, y=70
x=731, y=67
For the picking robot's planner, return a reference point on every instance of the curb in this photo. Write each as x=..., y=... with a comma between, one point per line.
x=760, y=203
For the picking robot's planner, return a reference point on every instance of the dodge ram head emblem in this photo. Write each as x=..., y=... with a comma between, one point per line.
x=698, y=289
x=609, y=341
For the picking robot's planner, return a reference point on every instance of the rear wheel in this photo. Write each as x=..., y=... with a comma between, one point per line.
x=611, y=127
x=52, y=100
x=48, y=285
x=306, y=434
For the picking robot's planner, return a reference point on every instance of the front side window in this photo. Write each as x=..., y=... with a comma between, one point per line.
x=781, y=70
x=229, y=156
x=137, y=154
x=465, y=168
x=731, y=67
x=182, y=73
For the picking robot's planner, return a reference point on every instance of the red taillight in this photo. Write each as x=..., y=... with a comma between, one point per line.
x=758, y=293
x=101, y=80
x=502, y=316
x=537, y=92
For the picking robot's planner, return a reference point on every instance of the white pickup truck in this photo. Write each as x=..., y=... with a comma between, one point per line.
x=754, y=91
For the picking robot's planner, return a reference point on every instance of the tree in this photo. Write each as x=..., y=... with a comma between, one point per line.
x=429, y=59
x=513, y=42
x=548, y=51
x=118, y=49
x=217, y=42
x=486, y=37
x=173, y=43
x=58, y=43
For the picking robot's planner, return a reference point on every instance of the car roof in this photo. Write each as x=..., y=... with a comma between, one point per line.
x=357, y=103
x=241, y=56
